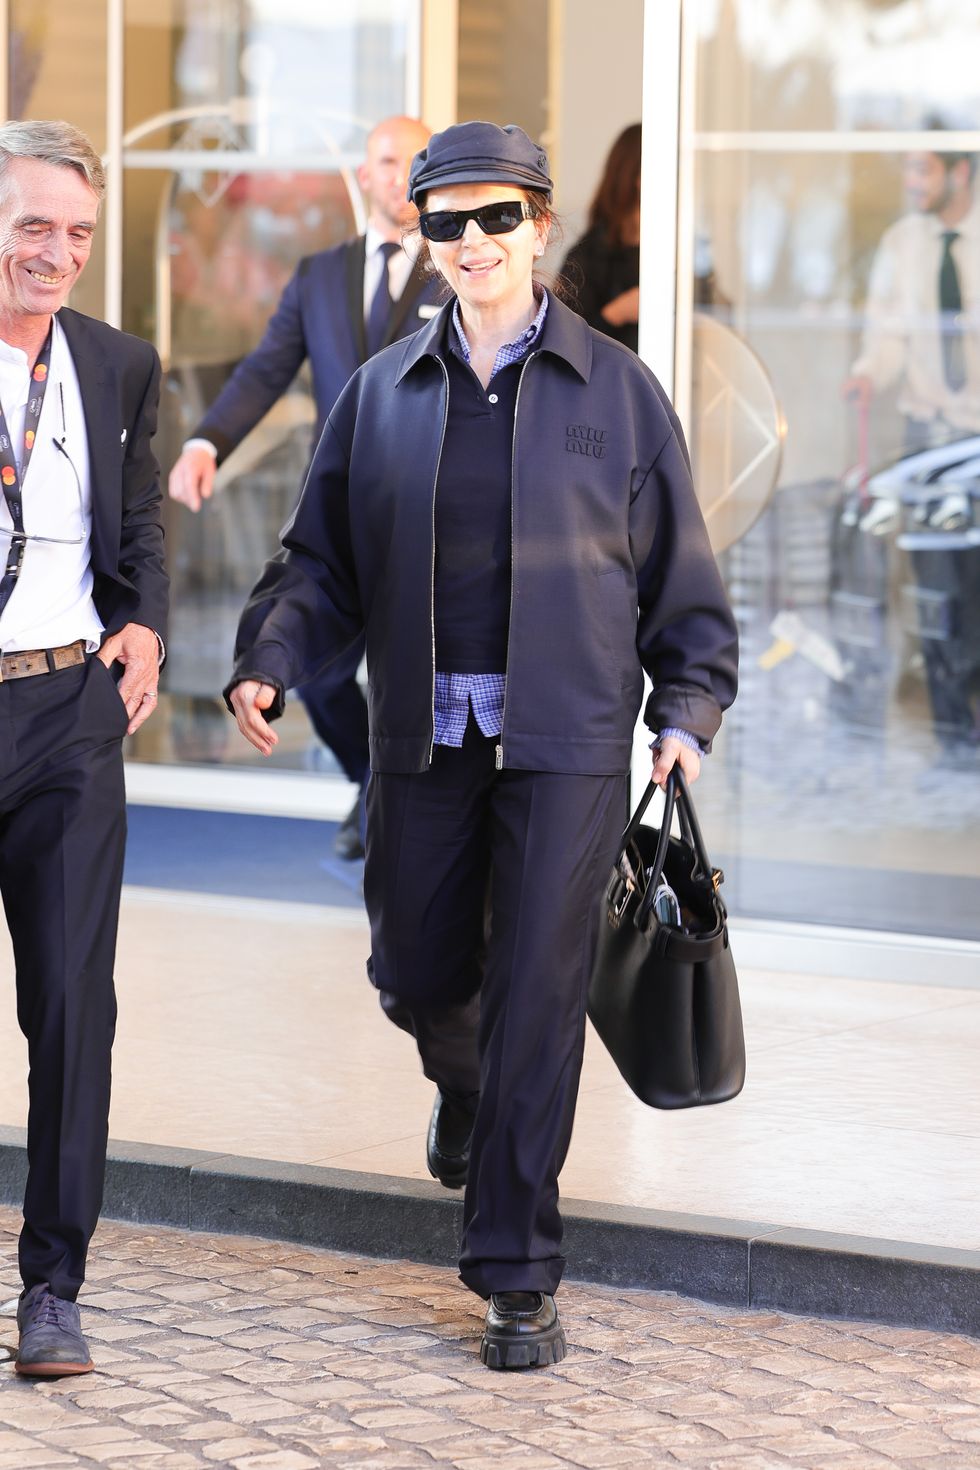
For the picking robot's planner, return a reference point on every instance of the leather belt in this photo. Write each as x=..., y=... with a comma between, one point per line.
x=41, y=660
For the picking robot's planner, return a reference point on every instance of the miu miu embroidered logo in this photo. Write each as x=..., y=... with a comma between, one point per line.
x=584, y=439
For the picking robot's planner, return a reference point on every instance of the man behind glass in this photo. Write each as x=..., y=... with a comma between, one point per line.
x=922, y=315
x=340, y=307
x=922, y=335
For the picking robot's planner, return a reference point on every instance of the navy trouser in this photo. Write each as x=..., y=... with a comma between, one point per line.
x=539, y=845
x=338, y=711
x=62, y=839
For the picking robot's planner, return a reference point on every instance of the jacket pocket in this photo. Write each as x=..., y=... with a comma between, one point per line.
x=618, y=614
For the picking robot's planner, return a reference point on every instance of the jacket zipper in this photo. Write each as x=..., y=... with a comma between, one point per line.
x=499, y=762
x=432, y=569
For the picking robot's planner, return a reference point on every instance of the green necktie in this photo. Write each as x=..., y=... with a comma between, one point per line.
x=950, y=308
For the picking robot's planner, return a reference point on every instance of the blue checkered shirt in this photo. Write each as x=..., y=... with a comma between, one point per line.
x=511, y=352
x=457, y=694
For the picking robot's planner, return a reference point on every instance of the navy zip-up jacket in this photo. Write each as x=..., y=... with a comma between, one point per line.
x=612, y=572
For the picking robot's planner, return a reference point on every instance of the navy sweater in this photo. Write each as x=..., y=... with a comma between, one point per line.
x=472, y=586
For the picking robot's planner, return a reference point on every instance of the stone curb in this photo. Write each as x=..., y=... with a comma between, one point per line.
x=739, y=1262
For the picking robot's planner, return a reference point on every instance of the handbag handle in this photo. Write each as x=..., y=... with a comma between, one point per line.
x=692, y=828
x=677, y=795
x=637, y=817
x=660, y=857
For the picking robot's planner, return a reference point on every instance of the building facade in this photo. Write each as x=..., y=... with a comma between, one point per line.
x=788, y=145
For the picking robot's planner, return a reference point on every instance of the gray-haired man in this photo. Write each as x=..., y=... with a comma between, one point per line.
x=82, y=591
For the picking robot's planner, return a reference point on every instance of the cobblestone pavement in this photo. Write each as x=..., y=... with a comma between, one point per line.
x=224, y=1351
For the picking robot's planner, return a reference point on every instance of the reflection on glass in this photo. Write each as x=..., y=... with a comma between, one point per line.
x=922, y=311
x=922, y=339
x=738, y=430
x=848, y=772
x=810, y=65
x=244, y=124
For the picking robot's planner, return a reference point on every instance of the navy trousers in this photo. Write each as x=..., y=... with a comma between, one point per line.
x=482, y=890
x=62, y=839
x=338, y=712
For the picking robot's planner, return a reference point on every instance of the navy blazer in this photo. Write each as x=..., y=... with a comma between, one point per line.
x=320, y=316
x=119, y=378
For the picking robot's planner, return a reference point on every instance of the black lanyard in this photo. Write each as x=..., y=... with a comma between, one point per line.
x=11, y=479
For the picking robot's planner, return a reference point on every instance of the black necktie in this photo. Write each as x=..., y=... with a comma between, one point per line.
x=380, y=309
x=950, y=309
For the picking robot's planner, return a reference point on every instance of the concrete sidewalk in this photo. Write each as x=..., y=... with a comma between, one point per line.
x=228, y=1351
x=250, y=1041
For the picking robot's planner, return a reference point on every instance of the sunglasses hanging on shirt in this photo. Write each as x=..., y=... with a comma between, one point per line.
x=13, y=476
x=443, y=225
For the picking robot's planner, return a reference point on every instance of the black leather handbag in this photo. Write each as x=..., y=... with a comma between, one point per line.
x=664, y=993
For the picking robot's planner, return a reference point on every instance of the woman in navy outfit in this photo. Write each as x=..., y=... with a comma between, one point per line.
x=503, y=502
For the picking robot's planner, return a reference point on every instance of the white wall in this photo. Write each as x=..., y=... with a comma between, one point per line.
x=596, y=91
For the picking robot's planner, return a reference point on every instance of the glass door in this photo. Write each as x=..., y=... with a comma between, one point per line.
x=244, y=122
x=829, y=232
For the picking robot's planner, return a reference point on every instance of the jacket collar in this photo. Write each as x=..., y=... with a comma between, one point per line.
x=565, y=335
x=81, y=339
x=100, y=403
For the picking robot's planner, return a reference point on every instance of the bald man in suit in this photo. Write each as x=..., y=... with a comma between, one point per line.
x=340, y=307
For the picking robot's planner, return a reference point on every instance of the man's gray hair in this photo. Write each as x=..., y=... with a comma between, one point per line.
x=52, y=142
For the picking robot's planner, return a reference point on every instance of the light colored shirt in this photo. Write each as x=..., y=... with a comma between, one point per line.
x=400, y=266
x=510, y=352
x=51, y=603
x=902, y=342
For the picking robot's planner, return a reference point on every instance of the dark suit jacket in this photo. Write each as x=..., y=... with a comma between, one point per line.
x=320, y=316
x=119, y=377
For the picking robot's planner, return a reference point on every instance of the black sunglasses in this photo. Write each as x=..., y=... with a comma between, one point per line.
x=493, y=219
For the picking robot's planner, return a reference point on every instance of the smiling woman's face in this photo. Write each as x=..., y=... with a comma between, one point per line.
x=487, y=271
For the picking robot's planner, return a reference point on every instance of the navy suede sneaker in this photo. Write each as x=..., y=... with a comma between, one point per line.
x=51, y=1341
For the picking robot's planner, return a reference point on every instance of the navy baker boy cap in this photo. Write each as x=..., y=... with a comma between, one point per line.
x=479, y=153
